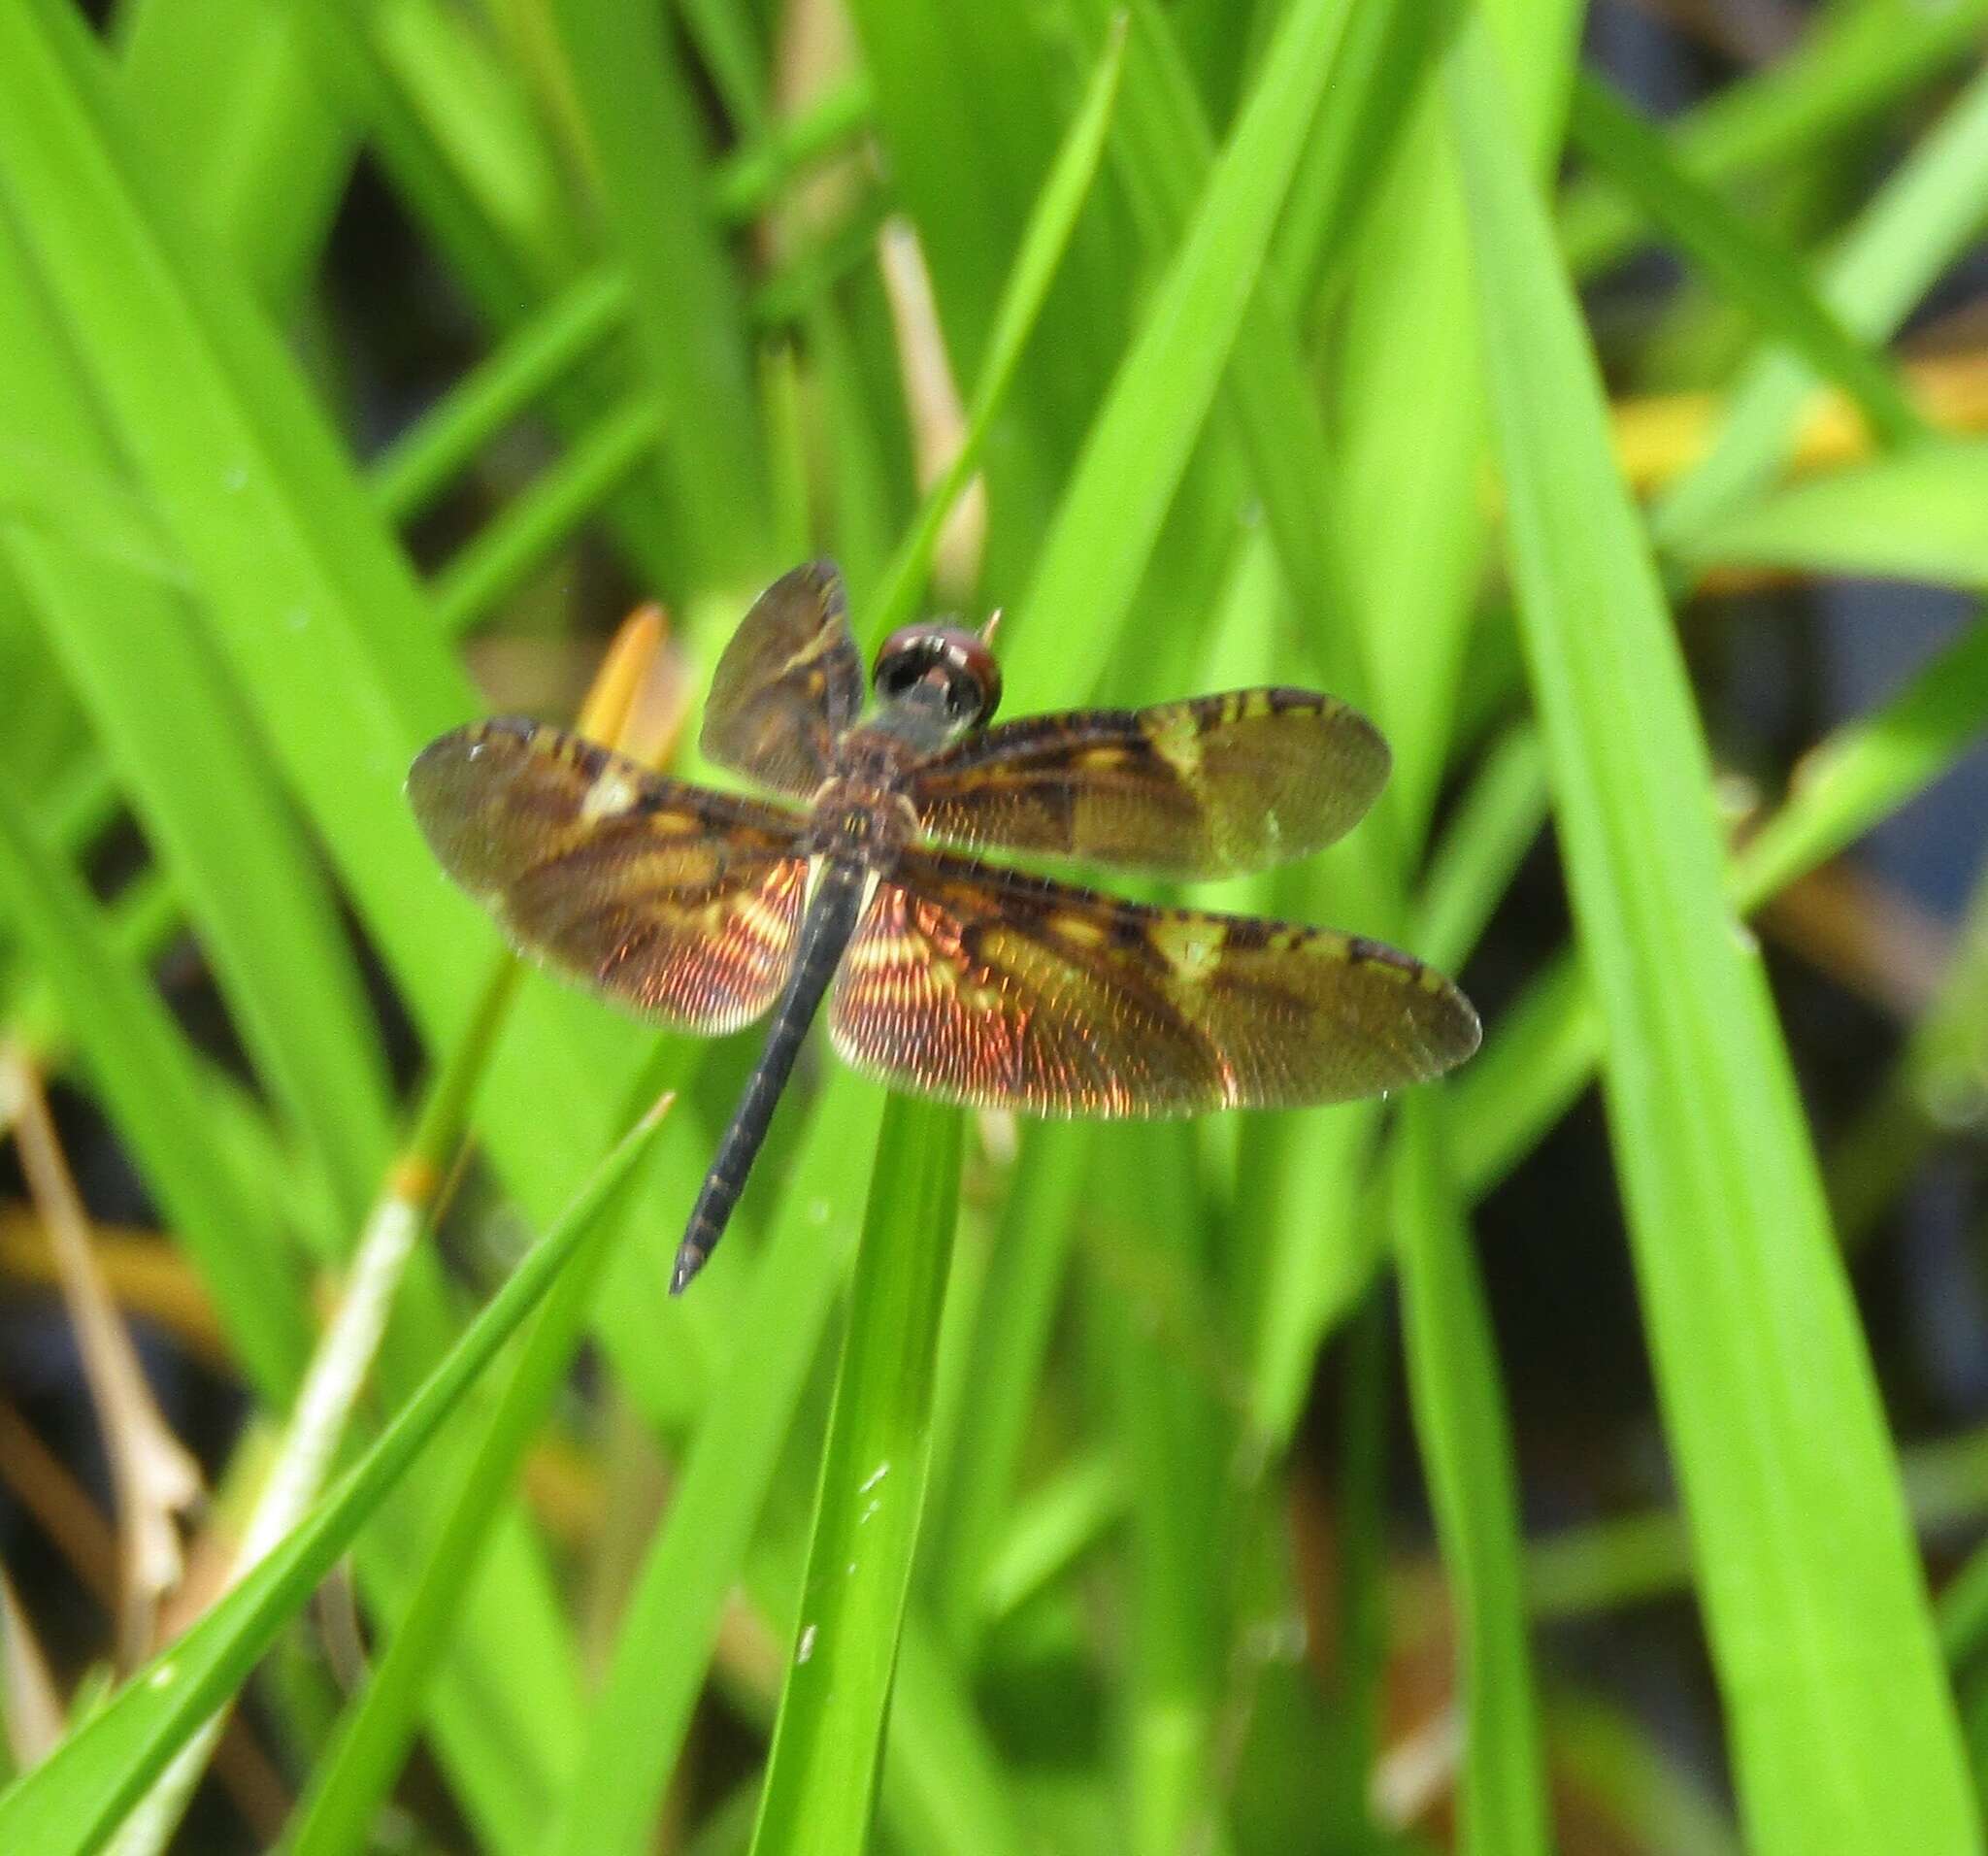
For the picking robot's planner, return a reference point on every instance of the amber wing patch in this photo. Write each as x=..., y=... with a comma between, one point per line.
x=1199, y=788
x=679, y=903
x=788, y=683
x=984, y=986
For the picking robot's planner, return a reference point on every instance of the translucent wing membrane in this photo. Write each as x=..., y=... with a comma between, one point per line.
x=984, y=986
x=789, y=682
x=679, y=903
x=1195, y=788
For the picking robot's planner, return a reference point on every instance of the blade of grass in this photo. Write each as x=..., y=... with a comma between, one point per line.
x=1848, y=66
x=457, y=122
x=944, y=1788
x=736, y=64
x=462, y=150
x=1642, y=1788
x=537, y=523
x=821, y=1773
x=353, y=1776
x=1750, y=264
x=1495, y=822
x=204, y=790
x=70, y=1802
x=1546, y=1046
x=1093, y=557
x=670, y=1623
x=1937, y=1082
x=688, y=309
x=1009, y=1345
x=1915, y=517
x=1178, y=1440
x=1388, y=57
x=340, y=1367
x=1465, y=1443
x=1042, y=244
x=1842, y=1730
x=1047, y=1530
x=1409, y=443
x=1920, y=220
x=1628, y=1559
x=971, y=103
x=145, y=1076
x=231, y=100
x=415, y=469
x=317, y=618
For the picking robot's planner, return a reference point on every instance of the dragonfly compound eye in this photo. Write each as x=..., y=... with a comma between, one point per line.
x=956, y=662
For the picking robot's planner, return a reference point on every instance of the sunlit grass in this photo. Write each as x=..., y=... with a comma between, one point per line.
x=996, y=1488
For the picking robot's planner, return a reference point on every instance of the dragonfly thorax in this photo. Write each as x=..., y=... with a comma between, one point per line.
x=862, y=817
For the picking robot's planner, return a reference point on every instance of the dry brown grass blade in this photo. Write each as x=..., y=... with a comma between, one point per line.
x=635, y=704
x=1661, y=437
x=815, y=47
x=1865, y=935
x=938, y=417
x=146, y=1272
x=155, y=1477
x=34, y=1706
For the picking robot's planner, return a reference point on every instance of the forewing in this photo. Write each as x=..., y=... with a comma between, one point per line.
x=989, y=988
x=677, y=902
x=788, y=683
x=1198, y=788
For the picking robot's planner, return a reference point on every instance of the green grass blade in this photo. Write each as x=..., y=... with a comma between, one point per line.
x=146, y=1076
x=1005, y=1361
x=1928, y=210
x=1842, y=1731
x=1409, y=443
x=971, y=103
x=342, y=1366
x=1916, y=518
x=72, y=1797
x=415, y=469
x=1465, y=1443
x=725, y=37
x=459, y=130
x=320, y=625
x=1750, y=264
x=822, y=1774
x=1939, y=1070
x=1541, y=1053
x=640, y=123
x=663, y=1644
x=353, y=1777
x=1388, y=57
x=203, y=787
x=1042, y=244
x=1093, y=557
x=945, y=1789
x=534, y=526
x=1495, y=824
x=231, y=99
x=1177, y=1439
x=1852, y=64
x=1048, y=1530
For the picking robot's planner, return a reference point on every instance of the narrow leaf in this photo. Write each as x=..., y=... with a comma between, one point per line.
x=821, y=1775
x=1843, y=1734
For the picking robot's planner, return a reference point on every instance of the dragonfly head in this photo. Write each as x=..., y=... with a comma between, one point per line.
x=943, y=676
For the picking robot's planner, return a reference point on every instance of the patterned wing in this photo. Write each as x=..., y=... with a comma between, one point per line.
x=789, y=682
x=1199, y=788
x=679, y=903
x=985, y=986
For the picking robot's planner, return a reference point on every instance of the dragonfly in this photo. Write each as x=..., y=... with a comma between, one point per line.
x=860, y=879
